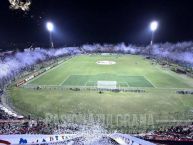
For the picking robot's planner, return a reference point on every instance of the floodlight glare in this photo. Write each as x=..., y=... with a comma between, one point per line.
x=50, y=26
x=154, y=25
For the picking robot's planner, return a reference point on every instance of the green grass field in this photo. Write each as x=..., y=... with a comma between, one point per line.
x=134, y=70
x=130, y=71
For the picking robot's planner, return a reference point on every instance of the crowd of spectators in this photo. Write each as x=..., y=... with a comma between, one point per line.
x=5, y=116
x=177, y=133
x=24, y=127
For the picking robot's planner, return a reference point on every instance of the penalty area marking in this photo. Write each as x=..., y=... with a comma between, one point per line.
x=64, y=80
x=124, y=83
x=150, y=82
x=92, y=82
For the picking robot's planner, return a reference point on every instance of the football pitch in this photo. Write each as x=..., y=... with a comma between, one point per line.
x=128, y=71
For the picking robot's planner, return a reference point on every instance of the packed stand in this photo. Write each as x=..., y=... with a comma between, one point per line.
x=25, y=127
x=178, y=133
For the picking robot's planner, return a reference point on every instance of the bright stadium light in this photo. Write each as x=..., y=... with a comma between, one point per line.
x=50, y=28
x=153, y=27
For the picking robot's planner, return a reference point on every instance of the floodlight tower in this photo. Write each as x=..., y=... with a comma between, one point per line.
x=153, y=28
x=50, y=28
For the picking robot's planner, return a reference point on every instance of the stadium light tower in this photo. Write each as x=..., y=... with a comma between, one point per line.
x=50, y=28
x=153, y=27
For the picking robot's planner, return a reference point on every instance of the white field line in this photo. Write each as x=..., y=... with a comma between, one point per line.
x=85, y=85
x=182, y=78
x=47, y=71
x=124, y=83
x=67, y=76
x=150, y=81
x=161, y=88
x=89, y=82
x=174, y=76
x=77, y=75
x=148, y=88
x=64, y=80
x=127, y=84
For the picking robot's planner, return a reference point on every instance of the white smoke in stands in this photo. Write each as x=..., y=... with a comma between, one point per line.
x=182, y=52
x=122, y=48
x=12, y=65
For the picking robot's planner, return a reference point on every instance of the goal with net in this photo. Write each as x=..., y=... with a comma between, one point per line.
x=106, y=84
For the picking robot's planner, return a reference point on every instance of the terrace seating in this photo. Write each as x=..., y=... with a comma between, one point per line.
x=24, y=127
x=172, y=134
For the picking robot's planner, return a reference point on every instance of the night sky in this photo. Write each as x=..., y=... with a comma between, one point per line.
x=96, y=21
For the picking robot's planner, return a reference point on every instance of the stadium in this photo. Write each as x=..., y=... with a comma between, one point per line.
x=116, y=87
x=97, y=78
x=103, y=88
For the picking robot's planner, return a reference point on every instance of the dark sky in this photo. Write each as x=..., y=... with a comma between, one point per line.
x=91, y=21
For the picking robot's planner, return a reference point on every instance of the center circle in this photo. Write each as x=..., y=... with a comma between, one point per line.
x=105, y=62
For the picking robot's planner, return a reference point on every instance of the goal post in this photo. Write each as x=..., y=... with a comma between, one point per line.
x=106, y=84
